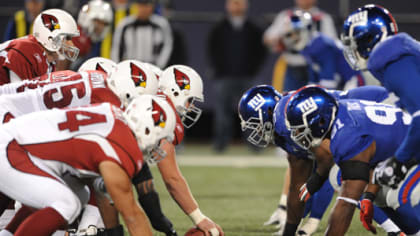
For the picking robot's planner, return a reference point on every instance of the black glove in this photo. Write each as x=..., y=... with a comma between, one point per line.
x=390, y=172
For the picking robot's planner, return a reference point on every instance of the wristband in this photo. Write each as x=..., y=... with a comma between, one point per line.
x=368, y=195
x=290, y=229
x=196, y=216
x=315, y=182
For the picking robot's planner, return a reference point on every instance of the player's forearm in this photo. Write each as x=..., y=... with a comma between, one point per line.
x=340, y=218
x=137, y=223
x=295, y=207
x=180, y=192
x=108, y=212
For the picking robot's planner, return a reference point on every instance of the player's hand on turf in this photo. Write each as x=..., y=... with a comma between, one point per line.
x=304, y=193
x=210, y=228
x=278, y=217
x=390, y=172
x=366, y=214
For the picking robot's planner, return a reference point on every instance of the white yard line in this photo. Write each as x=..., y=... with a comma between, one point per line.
x=232, y=161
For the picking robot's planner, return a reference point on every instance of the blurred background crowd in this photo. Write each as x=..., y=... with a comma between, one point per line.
x=230, y=43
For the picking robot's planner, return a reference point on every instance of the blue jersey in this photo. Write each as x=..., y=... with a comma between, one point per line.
x=358, y=123
x=328, y=65
x=282, y=134
x=396, y=63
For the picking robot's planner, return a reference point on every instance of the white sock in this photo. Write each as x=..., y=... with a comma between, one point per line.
x=388, y=226
x=5, y=233
x=283, y=200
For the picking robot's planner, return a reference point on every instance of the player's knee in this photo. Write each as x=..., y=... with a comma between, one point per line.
x=68, y=206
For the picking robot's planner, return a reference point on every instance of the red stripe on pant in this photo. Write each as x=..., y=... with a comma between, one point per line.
x=408, y=187
x=19, y=159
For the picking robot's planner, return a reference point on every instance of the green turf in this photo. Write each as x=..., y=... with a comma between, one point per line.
x=239, y=199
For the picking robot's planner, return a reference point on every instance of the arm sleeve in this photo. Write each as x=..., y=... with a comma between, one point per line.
x=276, y=29
x=328, y=27
x=163, y=57
x=348, y=143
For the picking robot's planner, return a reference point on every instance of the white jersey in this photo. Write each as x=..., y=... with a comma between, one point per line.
x=74, y=140
x=58, y=91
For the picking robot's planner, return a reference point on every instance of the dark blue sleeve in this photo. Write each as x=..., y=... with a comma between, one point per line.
x=10, y=32
x=369, y=92
x=348, y=143
x=402, y=77
x=410, y=146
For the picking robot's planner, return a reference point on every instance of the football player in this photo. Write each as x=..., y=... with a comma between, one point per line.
x=264, y=128
x=184, y=88
x=371, y=42
x=327, y=65
x=34, y=55
x=84, y=142
x=358, y=134
x=94, y=23
x=70, y=89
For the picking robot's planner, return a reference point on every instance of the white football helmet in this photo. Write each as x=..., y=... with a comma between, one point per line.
x=131, y=79
x=99, y=63
x=52, y=28
x=151, y=119
x=158, y=72
x=95, y=10
x=184, y=86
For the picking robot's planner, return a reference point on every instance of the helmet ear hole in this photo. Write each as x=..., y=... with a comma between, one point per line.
x=322, y=121
x=176, y=94
x=147, y=131
x=127, y=95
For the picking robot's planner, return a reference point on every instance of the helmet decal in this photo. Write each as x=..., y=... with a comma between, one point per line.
x=138, y=75
x=99, y=67
x=182, y=80
x=158, y=115
x=50, y=22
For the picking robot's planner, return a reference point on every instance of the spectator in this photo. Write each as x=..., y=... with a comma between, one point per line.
x=144, y=36
x=94, y=23
x=179, y=55
x=22, y=21
x=236, y=53
x=291, y=70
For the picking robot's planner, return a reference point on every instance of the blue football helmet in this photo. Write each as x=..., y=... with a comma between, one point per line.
x=310, y=114
x=362, y=30
x=299, y=30
x=256, y=113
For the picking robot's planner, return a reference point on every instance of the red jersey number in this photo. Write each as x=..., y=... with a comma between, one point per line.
x=75, y=119
x=65, y=93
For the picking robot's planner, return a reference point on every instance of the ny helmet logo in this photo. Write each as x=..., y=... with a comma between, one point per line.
x=158, y=115
x=307, y=106
x=138, y=76
x=50, y=22
x=182, y=80
x=256, y=102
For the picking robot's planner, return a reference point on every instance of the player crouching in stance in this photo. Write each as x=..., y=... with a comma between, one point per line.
x=358, y=135
x=86, y=142
x=261, y=110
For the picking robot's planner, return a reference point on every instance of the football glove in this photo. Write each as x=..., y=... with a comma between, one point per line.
x=278, y=217
x=309, y=228
x=366, y=211
x=390, y=172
